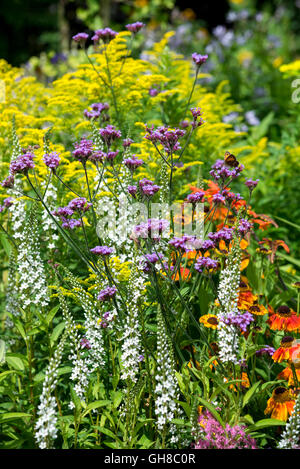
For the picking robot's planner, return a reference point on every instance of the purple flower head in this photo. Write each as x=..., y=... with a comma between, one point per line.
x=221, y=171
x=111, y=155
x=133, y=163
x=185, y=243
x=106, y=34
x=91, y=114
x=207, y=244
x=151, y=260
x=84, y=343
x=63, y=212
x=231, y=196
x=107, y=293
x=153, y=92
x=80, y=37
x=244, y=226
x=100, y=107
x=206, y=263
x=97, y=109
x=240, y=320
x=70, y=224
x=51, y=160
x=199, y=59
x=80, y=205
x=109, y=134
x=97, y=156
x=251, y=184
x=8, y=202
x=167, y=137
x=22, y=164
x=83, y=150
x=196, y=197
x=154, y=228
x=197, y=119
x=132, y=190
x=184, y=124
x=196, y=112
x=127, y=142
x=148, y=188
x=102, y=250
x=266, y=350
x=135, y=27
x=8, y=182
x=219, y=198
x=141, y=358
x=225, y=233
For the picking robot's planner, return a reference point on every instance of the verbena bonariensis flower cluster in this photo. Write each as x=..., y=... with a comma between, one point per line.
x=142, y=301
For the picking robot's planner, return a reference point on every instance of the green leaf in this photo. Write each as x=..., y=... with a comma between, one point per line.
x=15, y=362
x=12, y=415
x=288, y=258
x=107, y=432
x=96, y=405
x=2, y=352
x=264, y=423
x=212, y=410
x=6, y=373
x=250, y=393
x=51, y=314
x=57, y=332
x=20, y=328
x=288, y=222
x=117, y=397
x=262, y=129
x=5, y=243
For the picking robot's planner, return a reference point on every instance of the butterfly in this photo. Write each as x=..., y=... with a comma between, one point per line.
x=230, y=159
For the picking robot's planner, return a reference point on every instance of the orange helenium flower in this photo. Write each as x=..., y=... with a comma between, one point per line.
x=288, y=374
x=280, y=405
x=285, y=319
x=287, y=350
x=257, y=309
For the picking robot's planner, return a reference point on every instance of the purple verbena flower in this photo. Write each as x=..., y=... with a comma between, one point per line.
x=80, y=37
x=79, y=204
x=127, y=142
x=51, y=160
x=133, y=162
x=8, y=202
x=241, y=320
x=106, y=34
x=102, y=251
x=83, y=150
x=84, y=343
x=206, y=263
x=8, y=182
x=196, y=197
x=199, y=59
x=22, y=164
x=244, y=226
x=266, y=350
x=109, y=134
x=251, y=184
x=107, y=293
x=132, y=190
x=135, y=27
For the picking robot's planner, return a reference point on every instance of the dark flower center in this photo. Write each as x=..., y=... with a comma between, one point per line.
x=279, y=391
x=213, y=321
x=284, y=311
